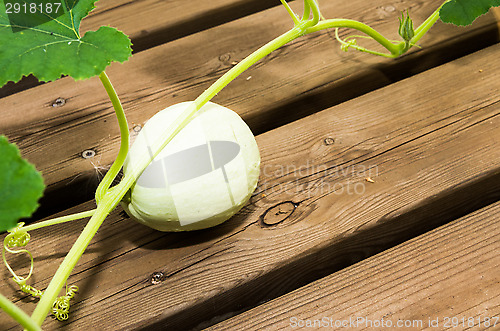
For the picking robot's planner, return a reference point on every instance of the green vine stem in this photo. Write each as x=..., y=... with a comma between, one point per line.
x=395, y=49
x=122, y=153
x=107, y=204
x=18, y=314
x=208, y=94
x=307, y=10
x=108, y=199
x=59, y=220
x=290, y=12
x=427, y=24
x=19, y=237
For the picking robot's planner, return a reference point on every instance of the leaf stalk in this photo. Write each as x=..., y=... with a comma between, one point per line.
x=124, y=142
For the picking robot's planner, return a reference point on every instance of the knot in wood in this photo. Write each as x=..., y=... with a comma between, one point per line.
x=59, y=102
x=277, y=214
x=157, y=277
x=224, y=58
x=88, y=154
x=329, y=141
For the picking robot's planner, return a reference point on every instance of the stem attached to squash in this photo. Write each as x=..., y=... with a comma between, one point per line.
x=183, y=119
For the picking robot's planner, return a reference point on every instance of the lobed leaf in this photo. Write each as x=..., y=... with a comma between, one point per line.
x=21, y=185
x=464, y=12
x=50, y=46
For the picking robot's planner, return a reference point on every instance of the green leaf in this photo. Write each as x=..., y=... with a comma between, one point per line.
x=464, y=12
x=49, y=45
x=20, y=186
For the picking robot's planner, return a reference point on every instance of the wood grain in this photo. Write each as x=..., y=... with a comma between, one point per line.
x=268, y=95
x=149, y=23
x=429, y=143
x=450, y=272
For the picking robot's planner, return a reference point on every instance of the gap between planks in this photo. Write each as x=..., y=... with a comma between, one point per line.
x=53, y=138
x=435, y=150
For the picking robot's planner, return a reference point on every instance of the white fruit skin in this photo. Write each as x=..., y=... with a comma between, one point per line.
x=156, y=208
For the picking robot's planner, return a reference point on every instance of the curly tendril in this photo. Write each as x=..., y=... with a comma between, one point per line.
x=19, y=237
x=28, y=289
x=60, y=308
x=351, y=41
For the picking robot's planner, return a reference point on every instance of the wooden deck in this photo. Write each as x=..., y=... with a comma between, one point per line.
x=378, y=196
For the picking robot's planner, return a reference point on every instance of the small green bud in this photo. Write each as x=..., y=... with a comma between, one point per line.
x=406, y=27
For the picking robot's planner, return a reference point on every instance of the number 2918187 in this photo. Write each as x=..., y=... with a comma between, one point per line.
x=33, y=8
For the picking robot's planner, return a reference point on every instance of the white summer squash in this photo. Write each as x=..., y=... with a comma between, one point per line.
x=204, y=176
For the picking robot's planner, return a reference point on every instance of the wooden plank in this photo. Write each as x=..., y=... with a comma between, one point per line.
x=430, y=144
x=53, y=136
x=150, y=23
x=443, y=279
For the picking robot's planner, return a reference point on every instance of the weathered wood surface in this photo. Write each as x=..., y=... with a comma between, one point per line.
x=430, y=144
x=268, y=95
x=150, y=23
x=443, y=279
